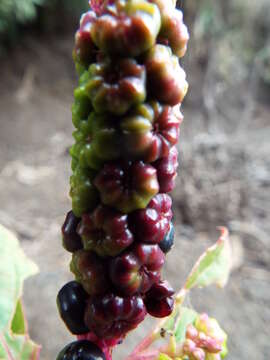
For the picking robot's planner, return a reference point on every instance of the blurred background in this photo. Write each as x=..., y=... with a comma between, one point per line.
x=224, y=177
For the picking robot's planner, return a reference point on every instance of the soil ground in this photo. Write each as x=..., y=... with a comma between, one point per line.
x=224, y=179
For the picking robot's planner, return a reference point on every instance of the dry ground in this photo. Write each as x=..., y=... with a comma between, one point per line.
x=224, y=180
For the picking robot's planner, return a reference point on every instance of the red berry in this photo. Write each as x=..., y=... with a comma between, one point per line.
x=159, y=301
x=137, y=269
x=152, y=223
x=126, y=28
x=112, y=316
x=116, y=86
x=160, y=290
x=90, y=272
x=127, y=186
x=71, y=239
x=175, y=31
x=105, y=231
x=85, y=49
x=160, y=308
x=166, y=80
x=150, y=130
x=167, y=171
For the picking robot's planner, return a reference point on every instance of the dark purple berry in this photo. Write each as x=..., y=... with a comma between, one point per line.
x=81, y=350
x=112, y=316
x=167, y=171
x=138, y=269
x=71, y=240
x=90, y=271
x=150, y=130
x=127, y=185
x=160, y=290
x=71, y=303
x=150, y=225
x=159, y=301
x=105, y=231
x=160, y=308
x=167, y=243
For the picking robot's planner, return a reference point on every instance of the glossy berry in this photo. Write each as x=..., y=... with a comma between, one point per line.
x=116, y=86
x=166, y=80
x=150, y=225
x=71, y=240
x=105, y=231
x=150, y=130
x=82, y=106
x=167, y=171
x=138, y=269
x=112, y=316
x=167, y=243
x=90, y=272
x=71, y=303
x=97, y=141
x=160, y=290
x=159, y=301
x=173, y=31
x=81, y=350
x=127, y=186
x=85, y=50
x=83, y=194
x=160, y=308
x=126, y=27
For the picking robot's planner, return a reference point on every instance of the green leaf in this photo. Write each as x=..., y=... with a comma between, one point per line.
x=15, y=267
x=186, y=317
x=19, y=347
x=18, y=325
x=214, y=266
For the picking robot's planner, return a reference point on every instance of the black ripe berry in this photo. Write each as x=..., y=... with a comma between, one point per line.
x=167, y=243
x=71, y=240
x=81, y=350
x=71, y=303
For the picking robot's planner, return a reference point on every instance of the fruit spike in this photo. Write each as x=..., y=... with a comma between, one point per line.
x=126, y=115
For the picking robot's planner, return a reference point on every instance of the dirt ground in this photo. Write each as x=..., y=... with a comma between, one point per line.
x=224, y=179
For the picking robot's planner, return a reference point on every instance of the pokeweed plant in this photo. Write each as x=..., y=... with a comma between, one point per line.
x=124, y=162
x=127, y=118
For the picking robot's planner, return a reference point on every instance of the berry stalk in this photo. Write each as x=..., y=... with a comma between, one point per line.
x=126, y=115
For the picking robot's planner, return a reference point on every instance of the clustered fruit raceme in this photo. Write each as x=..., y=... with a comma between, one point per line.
x=205, y=340
x=127, y=117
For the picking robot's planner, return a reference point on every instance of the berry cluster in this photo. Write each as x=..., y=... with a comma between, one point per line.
x=205, y=340
x=124, y=163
